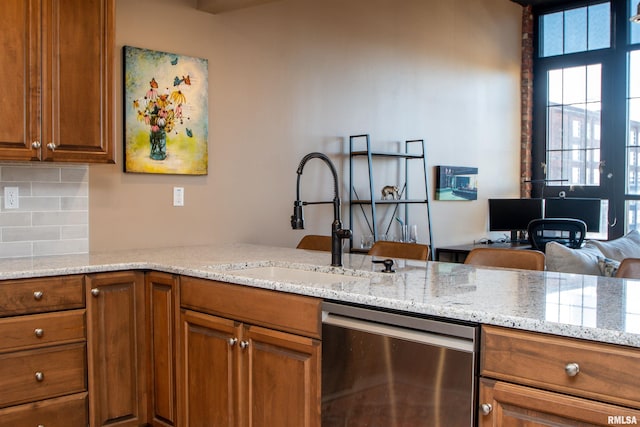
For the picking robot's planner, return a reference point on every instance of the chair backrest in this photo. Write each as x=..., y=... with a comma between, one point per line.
x=525, y=259
x=315, y=242
x=384, y=248
x=629, y=268
x=566, y=231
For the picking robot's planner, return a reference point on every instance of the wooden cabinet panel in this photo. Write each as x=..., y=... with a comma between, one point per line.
x=58, y=86
x=278, y=310
x=23, y=332
x=606, y=372
x=209, y=394
x=19, y=79
x=40, y=295
x=66, y=411
x=116, y=349
x=163, y=315
x=514, y=405
x=282, y=385
x=31, y=375
x=78, y=89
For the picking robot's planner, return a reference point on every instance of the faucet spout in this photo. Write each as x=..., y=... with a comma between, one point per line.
x=337, y=232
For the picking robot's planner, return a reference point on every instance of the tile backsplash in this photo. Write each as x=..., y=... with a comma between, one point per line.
x=52, y=217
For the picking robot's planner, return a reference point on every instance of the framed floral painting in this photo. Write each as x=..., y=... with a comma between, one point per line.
x=165, y=112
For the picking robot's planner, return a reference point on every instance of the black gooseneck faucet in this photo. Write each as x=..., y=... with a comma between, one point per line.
x=337, y=232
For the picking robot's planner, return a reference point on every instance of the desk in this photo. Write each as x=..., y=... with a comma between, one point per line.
x=459, y=253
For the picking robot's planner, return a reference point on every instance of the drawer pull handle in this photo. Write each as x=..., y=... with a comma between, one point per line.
x=37, y=295
x=51, y=146
x=486, y=408
x=39, y=332
x=233, y=341
x=244, y=344
x=35, y=144
x=95, y=292
x=39, y=376
x=572, y=369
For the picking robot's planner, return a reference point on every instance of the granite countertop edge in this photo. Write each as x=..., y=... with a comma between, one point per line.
x=207, y=262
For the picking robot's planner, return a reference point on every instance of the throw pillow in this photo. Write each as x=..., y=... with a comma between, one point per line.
x=627, y=246
x=566, y=260
x=608, y=267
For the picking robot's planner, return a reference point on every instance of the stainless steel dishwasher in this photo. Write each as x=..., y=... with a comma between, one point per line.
x=383, y=369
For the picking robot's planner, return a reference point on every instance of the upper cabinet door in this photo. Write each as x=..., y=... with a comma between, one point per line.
x=78, y=80
x=20, y=80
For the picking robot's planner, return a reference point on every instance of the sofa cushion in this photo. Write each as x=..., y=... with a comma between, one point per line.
x=566, y=260
x=627, y=246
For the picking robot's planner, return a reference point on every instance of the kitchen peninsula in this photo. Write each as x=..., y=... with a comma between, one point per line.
x=597, y=311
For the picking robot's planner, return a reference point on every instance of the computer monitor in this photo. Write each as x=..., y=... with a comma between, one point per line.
x=513, y=214
x=587, y=210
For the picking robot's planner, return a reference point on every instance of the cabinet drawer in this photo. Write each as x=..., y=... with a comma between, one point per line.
x=64, y=411
x=278, y=310
x=62, y=369
x=605, y=372
x=36, y=330
x=40, y=295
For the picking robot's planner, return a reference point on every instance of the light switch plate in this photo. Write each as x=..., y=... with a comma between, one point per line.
x=178, y=196
x=11, y=197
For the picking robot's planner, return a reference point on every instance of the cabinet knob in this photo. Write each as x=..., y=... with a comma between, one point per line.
x=39, y=332
x=95, y=292
x=35, y=144
x=51, y=146
x=39, y=376
x=244, y=344
x=233, y=341
x=37, y=295
x=486, y=408
x=572, y=369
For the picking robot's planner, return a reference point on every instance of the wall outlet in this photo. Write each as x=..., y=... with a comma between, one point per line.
x=178, y=196
x=11, y=197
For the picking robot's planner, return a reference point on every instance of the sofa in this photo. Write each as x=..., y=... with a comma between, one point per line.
x=595, y=257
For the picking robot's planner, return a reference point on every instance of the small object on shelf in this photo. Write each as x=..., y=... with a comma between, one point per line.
x=390, y=190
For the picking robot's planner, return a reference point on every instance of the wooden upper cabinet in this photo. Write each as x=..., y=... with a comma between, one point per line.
x=57, y=81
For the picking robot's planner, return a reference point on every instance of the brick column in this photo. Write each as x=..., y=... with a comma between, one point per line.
x=526, y=101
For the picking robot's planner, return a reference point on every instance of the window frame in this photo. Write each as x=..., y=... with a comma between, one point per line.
x=613, y=112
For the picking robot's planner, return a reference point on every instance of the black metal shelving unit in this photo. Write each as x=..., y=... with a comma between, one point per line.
x=414, y=150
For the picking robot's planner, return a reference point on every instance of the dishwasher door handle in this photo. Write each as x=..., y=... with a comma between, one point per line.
x=423, y=337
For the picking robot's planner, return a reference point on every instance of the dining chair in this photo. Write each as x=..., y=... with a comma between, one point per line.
x=629, y=268
x=384, y=248
x=315, y=242
x=525, y=259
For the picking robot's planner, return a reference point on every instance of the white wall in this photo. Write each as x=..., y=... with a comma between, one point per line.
x=295, y=76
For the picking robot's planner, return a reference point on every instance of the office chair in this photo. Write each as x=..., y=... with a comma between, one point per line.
x=524, y=259
x=569, y=232
x=384, y=248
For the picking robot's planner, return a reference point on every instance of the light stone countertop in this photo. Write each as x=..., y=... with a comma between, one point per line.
x=589, y=307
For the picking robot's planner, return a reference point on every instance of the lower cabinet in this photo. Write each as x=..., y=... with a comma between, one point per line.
x=240, y=373
x=43, y=352
x=538, y=379
x=505, y=404
x=163, y=312
x=117, y=349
